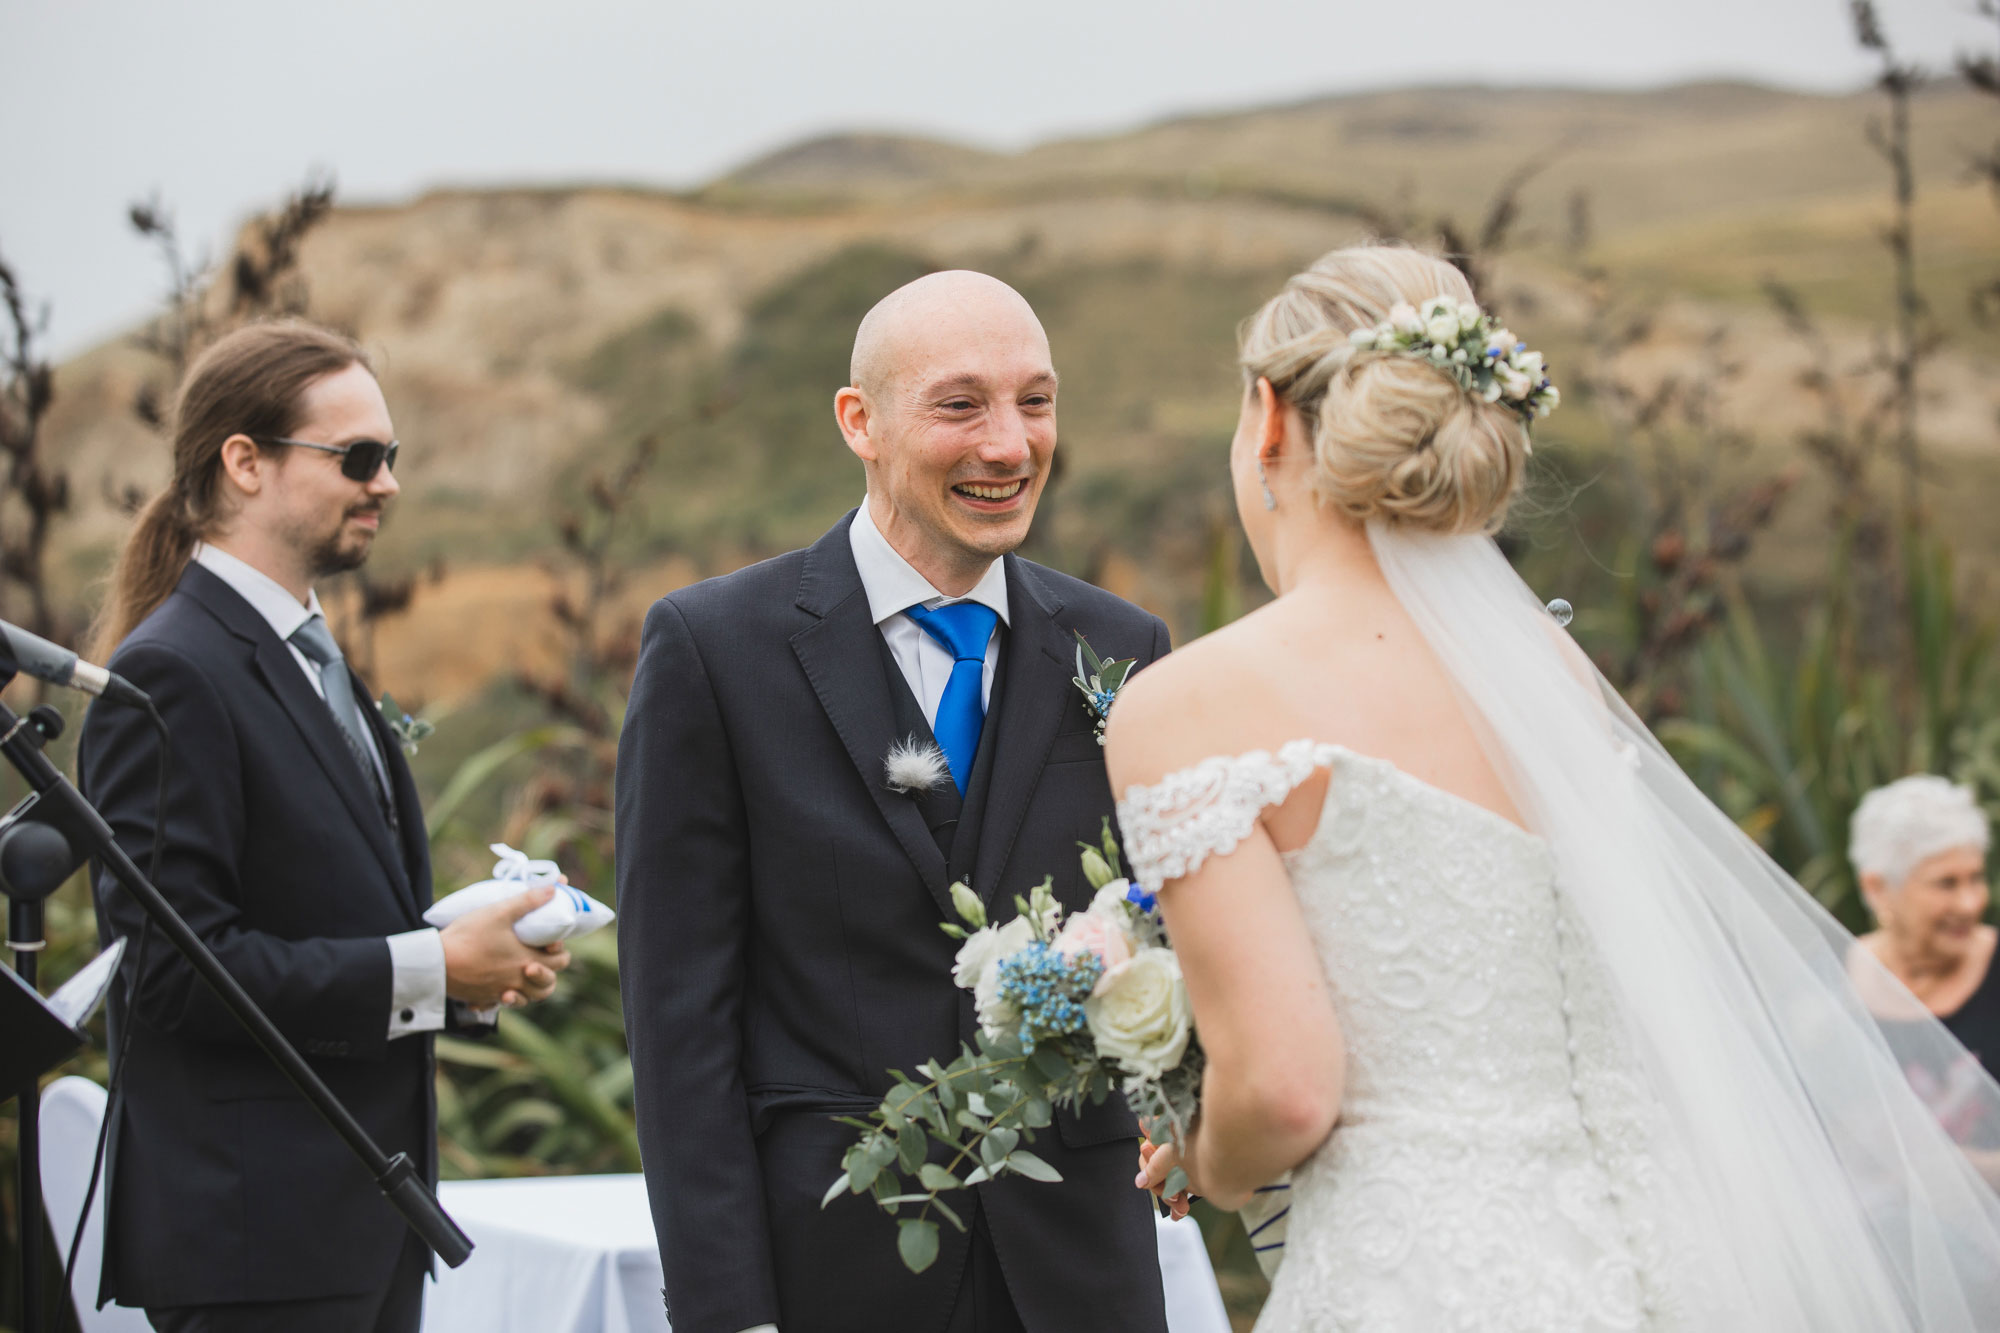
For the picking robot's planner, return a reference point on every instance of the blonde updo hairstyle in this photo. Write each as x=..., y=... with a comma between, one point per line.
x=1393, y=436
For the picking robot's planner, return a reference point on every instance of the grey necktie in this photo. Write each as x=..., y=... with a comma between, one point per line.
x=315, y=640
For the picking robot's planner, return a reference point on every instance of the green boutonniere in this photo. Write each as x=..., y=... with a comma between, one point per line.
x=1100, y=681
x=409, y=731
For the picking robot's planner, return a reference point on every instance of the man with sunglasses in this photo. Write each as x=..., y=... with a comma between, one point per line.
x=294, y=844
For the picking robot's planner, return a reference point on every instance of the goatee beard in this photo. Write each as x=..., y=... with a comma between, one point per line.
x=332, y=556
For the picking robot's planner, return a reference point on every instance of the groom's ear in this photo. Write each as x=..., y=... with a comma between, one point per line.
x=851, y=411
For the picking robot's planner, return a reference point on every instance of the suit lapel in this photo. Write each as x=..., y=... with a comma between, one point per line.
x=409, y=807
x=308, y=712
x=1035, y=679
x=314, y=720
x=842, y=656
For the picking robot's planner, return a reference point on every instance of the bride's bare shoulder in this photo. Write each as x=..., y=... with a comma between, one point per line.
x=1197, y=701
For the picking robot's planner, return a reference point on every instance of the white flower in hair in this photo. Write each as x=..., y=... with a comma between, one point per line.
x=1480, y=353
x=1441, y=322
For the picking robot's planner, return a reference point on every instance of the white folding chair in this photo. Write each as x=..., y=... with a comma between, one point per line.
x=72, y=1110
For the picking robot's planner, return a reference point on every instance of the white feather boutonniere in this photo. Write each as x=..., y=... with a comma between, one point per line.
x=913, y=766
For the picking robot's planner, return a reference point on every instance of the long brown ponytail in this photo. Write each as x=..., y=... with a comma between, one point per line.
x=251, y=382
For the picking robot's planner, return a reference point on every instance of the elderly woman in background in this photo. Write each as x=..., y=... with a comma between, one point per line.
x=1919, y=847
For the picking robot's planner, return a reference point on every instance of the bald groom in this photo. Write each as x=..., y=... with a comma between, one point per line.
x=779, y=947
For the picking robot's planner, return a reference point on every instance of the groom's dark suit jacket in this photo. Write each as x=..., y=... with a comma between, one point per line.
x=780, y=951
x=224, y=1185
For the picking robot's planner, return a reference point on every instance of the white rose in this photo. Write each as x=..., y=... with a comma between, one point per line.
x=1440, y=307
x=997, y=1017
x=1529, y=364
x=1442, y=329
x=1139, y=1016
x=1469, y=317
x=1513, y=384
x=1111, y=898
x=985, y=947
x=1403, y=316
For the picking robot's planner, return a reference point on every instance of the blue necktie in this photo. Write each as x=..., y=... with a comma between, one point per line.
x=963, y=628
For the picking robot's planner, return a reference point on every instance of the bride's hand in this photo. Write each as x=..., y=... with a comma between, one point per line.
x=1156, y=1163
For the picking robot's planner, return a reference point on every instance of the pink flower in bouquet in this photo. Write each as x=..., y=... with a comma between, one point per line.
x=1098, y=933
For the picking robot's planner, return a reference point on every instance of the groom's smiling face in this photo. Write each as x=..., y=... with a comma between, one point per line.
x=953, y=413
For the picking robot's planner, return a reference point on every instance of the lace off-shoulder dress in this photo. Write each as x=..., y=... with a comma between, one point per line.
x=1496, y=1165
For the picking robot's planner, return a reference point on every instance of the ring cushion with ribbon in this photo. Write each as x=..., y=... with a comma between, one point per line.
x=570, y=914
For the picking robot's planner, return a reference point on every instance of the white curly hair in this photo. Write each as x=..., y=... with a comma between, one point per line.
x=1898, y=827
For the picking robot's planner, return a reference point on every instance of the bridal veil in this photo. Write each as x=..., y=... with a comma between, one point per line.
x=1827, y=1195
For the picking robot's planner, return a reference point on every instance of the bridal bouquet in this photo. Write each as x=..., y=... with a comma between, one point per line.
x=1068, y=1010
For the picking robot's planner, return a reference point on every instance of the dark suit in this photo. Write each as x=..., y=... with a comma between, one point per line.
x=780, y=949
x=224, y=1185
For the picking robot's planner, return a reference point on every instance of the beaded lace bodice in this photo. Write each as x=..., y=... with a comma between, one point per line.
x=1494, y=1166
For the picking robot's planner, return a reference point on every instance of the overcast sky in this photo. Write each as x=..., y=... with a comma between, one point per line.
x=219, y=106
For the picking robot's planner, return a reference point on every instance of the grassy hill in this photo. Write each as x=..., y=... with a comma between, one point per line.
x=528, y=336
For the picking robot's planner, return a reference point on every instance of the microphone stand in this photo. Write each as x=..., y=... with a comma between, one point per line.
x=24, y=937
x=60, y=803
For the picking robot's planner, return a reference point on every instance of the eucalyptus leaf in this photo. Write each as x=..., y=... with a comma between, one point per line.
x=1031, y=1166
x=1175, y=1183
x=1003, y=1138
x=949, y=1215
x=910, y=1145
x=1048, y=1064
x=935, y=1177
x=975, y=1102
x=1091, y=660
x=835, y=1190
x=971, y=1122
x=917, y=1243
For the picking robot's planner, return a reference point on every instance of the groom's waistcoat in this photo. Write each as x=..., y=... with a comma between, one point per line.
x=781, y=949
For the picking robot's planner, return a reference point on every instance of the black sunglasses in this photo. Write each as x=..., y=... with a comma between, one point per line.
x=358, y=461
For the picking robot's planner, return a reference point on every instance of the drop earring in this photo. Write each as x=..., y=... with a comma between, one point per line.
x=1270, y=500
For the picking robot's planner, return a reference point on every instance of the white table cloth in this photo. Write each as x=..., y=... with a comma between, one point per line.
x=72, y=1109
x=576, y=1254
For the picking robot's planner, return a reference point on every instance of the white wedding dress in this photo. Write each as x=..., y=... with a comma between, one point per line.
x=1495, y=1166
x=1613, y=1073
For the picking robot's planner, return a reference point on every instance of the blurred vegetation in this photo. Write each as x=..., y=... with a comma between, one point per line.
x=1652, y=510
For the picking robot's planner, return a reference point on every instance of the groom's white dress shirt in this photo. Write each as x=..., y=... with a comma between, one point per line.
x=894, y=586
x=416, y=957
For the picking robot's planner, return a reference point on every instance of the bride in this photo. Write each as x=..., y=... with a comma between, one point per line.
x=1547, y=1043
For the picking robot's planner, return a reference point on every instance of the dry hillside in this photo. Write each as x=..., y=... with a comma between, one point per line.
x=526, y=335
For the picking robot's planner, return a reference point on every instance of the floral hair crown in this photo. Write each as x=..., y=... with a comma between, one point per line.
x=1478, y=351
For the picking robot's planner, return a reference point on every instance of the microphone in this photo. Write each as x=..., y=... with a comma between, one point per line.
x=35, y=656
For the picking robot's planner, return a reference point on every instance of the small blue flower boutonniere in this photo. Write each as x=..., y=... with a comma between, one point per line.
x=1100, y=681
x=408, y=731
